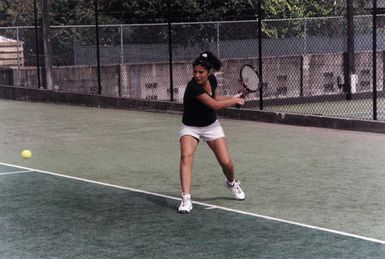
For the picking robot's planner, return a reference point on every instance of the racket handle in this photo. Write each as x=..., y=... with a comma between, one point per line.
x=243, y=95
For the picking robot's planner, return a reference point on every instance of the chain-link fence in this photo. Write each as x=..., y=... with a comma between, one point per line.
x=304, y=61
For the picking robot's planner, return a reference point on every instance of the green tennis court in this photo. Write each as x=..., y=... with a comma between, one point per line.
x=104, y=183
x=355, y=109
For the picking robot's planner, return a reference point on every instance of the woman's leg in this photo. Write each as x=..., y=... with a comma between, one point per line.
x=188, y=146
x=222, y=153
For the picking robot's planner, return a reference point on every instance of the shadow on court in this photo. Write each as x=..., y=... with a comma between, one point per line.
x=48, y=216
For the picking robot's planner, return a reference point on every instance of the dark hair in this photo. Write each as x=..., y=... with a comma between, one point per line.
x=208, y=60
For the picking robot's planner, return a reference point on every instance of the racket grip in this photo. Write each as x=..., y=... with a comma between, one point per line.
x=238, y=106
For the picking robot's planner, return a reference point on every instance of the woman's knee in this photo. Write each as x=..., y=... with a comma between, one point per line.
x=186, y=158
x=228, y=164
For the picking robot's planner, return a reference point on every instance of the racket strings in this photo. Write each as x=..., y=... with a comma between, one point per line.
x=250, y=78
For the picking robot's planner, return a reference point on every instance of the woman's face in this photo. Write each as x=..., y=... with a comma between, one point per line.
x=200, y=74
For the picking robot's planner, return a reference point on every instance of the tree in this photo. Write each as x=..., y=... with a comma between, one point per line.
x=16, y=12
x=80, y=12
x=76, y=12
x=134, y=11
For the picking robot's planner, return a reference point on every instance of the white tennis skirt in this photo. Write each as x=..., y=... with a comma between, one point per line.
x=207, y=133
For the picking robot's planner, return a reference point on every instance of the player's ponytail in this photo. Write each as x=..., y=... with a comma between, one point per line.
x=208, y=60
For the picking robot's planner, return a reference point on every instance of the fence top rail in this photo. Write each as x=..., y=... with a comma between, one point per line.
x=188, y=23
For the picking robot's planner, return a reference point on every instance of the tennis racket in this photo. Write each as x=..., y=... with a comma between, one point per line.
x=249, y=81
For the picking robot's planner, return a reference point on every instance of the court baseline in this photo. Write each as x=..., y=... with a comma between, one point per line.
x=209, y=206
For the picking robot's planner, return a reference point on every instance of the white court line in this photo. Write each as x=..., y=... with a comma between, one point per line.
x=211, y=206
x=15, y=172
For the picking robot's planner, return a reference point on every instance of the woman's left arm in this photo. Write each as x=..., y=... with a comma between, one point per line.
x=225, y=97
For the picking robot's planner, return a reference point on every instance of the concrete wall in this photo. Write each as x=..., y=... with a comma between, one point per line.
x=37, y=95
x=83, y=79
x=290, y=76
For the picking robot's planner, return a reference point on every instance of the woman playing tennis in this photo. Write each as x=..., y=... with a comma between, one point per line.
x=200, y=121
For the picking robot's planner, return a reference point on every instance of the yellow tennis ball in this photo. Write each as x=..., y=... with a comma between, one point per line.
x=26, y=154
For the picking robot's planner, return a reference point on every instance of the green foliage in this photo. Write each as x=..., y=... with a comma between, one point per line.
x=16, y=12
x=82, y=12
x=69, y=12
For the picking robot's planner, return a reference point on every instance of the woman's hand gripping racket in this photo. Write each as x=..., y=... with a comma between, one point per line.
x=249, y=81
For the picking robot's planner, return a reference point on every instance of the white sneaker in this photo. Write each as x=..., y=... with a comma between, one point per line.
x=235, y=190
x=186, y=204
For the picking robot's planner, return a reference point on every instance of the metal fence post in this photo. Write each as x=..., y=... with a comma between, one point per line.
x=18, y=49
x=374, y=59
x=170, y=51
x=97, y=46
x=218, y=54
x=37, y=46
x=260, y=63
x=305, y=36
x=350, y=67
x=121, y=45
